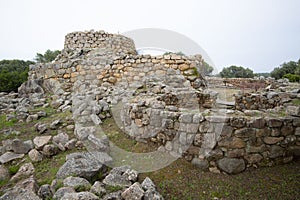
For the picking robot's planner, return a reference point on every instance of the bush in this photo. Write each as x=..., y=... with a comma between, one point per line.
x=292, y=77
x=12, y=74
x=236, y=72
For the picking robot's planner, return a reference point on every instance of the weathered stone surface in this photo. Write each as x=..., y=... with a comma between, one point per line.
x=297, y=131
x=296, y=122
x=217, y=119
x=71, y=144
x=35, y=155
x=41, y=141
x=58, y=195
x=9, y=156
x=245, y=133
x=24, y=171
x=235, y=153
x=20, y=147
x=293, y=110
x=28, y=184
x=31, y=118
x=238, y=122
x=274, y=123
x=19, y=194
x=232, y=143
x=41, y=128
x=201, y=164
x=253, y=158
x=80, y=196
x=98, y=189
x=231, y=165
x=113, y=196
x=276, y=151
x=258, y=123
x=54, y=125
x=256, y=149
x=50, y=150
x=76, y=182
x=4, y=174
x=135, y=191
x=152, y=195
x=31, y=87
x=116, y=180
x=45, y=192
x=287, y=130
x=148, y=184
x=121, y=176
x=84, y=164
x=294, y=150
x=272, y=140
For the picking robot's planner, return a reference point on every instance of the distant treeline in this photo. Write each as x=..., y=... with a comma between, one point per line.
x=289, y=70
x=15, y=72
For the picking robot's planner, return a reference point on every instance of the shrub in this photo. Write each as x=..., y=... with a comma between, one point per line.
x=292, y=77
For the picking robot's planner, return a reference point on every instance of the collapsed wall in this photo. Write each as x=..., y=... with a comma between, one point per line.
x=163, y=100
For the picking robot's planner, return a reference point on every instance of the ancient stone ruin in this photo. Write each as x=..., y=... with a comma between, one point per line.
x=163, y=100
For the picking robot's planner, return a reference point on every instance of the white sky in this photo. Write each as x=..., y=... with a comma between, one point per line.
x=259, y=34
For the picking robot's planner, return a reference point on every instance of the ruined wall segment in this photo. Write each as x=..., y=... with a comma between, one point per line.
x=99, y=39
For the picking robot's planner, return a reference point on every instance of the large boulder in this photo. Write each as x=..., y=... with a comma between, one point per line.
x=19, y=194
x=85, y=164
x=231, y=165
x=31, y=87
x=135, y=191
x=76, y=182
x=121, y=176
x=18, y=146
x=9, y=156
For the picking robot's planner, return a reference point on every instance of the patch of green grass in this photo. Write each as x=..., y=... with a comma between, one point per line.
x=13, y=169
x=119, y=138
x=195, y=72
x=82, y=188
x=110, y=188
x=3, y=182
x=261, y=183
x=48, y=110
x=296, y=102
x=59, y=184
x=45, y=170
x=6, y=124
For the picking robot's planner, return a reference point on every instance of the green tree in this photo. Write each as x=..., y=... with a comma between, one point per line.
x=236, y=72
x=291, y=67
x=12, y=74
x=48, y=56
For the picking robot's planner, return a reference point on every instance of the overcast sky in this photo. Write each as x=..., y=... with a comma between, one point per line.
x=258, y=34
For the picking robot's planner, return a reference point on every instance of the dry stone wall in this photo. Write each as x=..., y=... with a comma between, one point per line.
x=99, y=39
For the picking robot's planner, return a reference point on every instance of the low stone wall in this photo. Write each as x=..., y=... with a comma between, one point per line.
x=265, y=100
x=229, y=143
